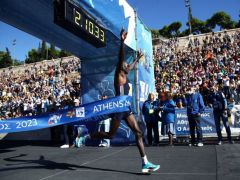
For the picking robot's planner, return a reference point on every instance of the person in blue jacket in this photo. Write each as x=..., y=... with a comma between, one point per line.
x=218, y=102
x=168, y=118
x=149, y=108
x=195, y=106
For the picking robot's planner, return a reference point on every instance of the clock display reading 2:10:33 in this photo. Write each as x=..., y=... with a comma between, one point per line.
x=73, y=18
x=88, y=25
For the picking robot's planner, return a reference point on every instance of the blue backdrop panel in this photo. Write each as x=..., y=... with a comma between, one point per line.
x=146, y=69
x=207, y=123
x=97, y=80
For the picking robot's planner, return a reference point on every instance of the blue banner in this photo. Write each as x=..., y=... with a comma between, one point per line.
x=182, y=125
x=146, y=67
x=81, y=114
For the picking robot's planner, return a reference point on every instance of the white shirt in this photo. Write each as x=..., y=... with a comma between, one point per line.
x=226, y=81
x=77, y=102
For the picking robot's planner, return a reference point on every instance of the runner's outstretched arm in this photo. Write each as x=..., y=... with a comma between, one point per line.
x=119, y=68
x=133, y=64
x=121, y=55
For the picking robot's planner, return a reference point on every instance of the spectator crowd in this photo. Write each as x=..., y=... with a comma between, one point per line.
x=38, y=88
x=206, y=62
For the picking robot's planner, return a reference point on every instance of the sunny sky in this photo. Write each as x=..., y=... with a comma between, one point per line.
x=154, y=13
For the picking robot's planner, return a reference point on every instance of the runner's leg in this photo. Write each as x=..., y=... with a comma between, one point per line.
x=132, y=123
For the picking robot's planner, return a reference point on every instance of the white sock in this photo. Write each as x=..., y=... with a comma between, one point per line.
x=144, y=159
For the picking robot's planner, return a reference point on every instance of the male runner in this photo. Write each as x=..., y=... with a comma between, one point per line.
x=122, y=88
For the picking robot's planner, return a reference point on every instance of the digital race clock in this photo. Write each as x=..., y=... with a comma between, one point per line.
x=76, y=20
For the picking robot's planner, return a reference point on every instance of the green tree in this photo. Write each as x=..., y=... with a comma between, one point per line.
x=33, y=56
x=165, y=32
x=17, y=63
x=155, y=33
x=232, y=25
x=5, y=59
x=185, y=32
x=43, y=53
x=52, y=52
x=221, y=19
x=64, y=53
x=199, y=26
x=173, y=29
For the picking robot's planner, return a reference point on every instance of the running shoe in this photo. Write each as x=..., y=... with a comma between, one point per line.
x=220, y=142
x=82, y=140
x=199, y=144
x=64, y=146
x=149, y=167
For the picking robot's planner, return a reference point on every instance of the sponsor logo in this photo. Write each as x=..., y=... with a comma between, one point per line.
x=54, y=119
x=80, y=112
x=70, y=113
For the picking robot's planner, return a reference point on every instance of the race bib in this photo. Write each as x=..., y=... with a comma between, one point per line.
x=151, y=111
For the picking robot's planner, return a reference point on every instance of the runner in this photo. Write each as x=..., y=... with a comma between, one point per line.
x=122, y=88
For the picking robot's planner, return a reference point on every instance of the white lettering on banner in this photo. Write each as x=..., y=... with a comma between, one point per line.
x=4, y=127
x=207, y=128
x=115, y=104
x=184, y=128
x=120, y=104
x=205, y=115
x=95, y=109
x=111, y=105
x=26, y=124
x=180, y=115
x=182, y=122
x=80, y=112
x=105, y=106
x=127, y=103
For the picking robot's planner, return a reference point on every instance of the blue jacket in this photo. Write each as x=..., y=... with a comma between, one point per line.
x=147, y=105
x=195, y=104
x=168, y=115
x=218, y=101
